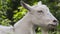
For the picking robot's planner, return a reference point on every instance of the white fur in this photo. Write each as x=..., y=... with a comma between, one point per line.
x=6, y=29
x=31, y=20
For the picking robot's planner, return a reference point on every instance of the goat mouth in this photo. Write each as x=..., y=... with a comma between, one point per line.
x=52, y=25
x=52, y=28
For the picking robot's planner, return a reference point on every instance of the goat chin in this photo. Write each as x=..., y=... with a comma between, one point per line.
x=6, y=29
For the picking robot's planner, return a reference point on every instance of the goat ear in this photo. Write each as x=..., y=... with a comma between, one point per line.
x=26, y=5
x=40, y=3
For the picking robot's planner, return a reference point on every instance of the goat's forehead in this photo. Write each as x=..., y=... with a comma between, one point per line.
x=39, y=7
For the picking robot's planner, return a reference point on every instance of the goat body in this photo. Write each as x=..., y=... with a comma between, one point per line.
x=6, y=29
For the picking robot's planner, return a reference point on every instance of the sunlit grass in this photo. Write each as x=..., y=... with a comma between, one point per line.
x=39, y=33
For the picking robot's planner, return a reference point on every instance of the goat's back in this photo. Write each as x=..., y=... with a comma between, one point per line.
x=6, y=29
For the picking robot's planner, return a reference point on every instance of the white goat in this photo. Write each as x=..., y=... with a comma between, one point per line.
x=38, y=15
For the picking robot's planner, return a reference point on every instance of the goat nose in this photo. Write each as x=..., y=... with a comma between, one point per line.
x=55, y=21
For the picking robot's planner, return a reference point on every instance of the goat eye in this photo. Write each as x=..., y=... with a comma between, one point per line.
x=40, y=11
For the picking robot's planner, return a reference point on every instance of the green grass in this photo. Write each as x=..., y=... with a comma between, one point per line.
x=56, y=32
x=39, y=33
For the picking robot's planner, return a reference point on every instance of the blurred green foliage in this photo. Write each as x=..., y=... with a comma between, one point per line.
x=11, y=11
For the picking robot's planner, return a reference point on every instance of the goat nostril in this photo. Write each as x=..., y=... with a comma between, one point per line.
x=55, y=21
